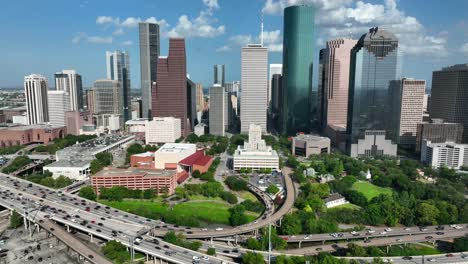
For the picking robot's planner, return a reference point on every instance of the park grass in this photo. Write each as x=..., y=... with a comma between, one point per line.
x=412, y=250
x=132, y=205
x=347, y=206
x=370, y=190
x=198, y=197
x=246, y=195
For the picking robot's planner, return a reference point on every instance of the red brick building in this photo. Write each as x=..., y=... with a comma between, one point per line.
x=197, y=161
x=142, y=160
x=137, y=179
x=22, y=135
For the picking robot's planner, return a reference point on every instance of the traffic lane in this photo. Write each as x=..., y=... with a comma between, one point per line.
x=377, y=242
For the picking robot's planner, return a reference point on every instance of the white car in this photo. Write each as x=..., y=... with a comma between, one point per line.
x=370, y=231
x=138, y=240
x=407, y=229
x=388, y=260
x=205, y=258
x=195, y=258
x=307, y=237
x=383, y=233
x=219, y=229
x=388, y=229
x=353, y=232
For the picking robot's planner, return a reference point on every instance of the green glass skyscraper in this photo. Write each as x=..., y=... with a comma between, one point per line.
x=298, y=110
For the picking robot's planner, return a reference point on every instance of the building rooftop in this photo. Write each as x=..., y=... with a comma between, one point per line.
x=140, y=121
x=197, y=158
x=69, y=163
x=145, y=154
x=176, y=148
x=456, y=67
x=310, y=137
x=135, y=172
x=27, y=127
x=333, y=197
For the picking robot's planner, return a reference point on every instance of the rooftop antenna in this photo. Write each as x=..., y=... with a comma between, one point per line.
x=261, y=32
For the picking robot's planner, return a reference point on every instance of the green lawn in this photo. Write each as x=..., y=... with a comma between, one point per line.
x=201, y=197
x=370, y=190
x=348, y=205
x=246, y=195
x=412, y=250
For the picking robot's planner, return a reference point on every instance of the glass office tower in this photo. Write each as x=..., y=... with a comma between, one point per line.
x=373, y=65
x=298, y=109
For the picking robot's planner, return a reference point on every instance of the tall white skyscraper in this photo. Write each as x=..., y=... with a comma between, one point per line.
x=70, y=82
x=35, y=91
x=149, y=53
x=118, y=69
x=217, y=110
x=254, y=85
x=59, y=103
x=274, y=69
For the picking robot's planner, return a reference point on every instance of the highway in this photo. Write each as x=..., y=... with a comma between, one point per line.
x=24, y=196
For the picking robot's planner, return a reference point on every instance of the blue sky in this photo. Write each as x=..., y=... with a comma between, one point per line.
x=48, y=36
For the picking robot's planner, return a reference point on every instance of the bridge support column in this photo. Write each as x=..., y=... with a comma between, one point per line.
x=91, y=237
x=323, y=242
x=211, y=241
x=300, y=243
x=280, y=221
x=68, y=228
x=25, y=223
x=388, y=248
x=147, y=257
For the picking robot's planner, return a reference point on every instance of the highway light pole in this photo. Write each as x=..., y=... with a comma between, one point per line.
x=269, y=240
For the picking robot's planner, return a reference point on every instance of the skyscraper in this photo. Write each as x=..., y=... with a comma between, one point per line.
x=170, y=91
x=254, y=85
x=449, y=96
x=276, y=102
x=219, y=74
x=334, y=82
x=70, y=82
x=59, y=103
x=200, y=98
x=107, y=97
x=149, y=53
x=35, y=91
x=274, y=69
x=373, y=66
x=217, y=110
x=118, y=69
x=408, y=99
x=298, y=43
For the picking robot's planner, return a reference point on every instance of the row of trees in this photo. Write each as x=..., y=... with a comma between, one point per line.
x=102, y=160
x=179, y=240
x=236, y=184
x=18, y=163
x=209, y=175
x=118, y=193
x=218, y=143
x=10, y=149
x=46, y=179
x=116, y=252
x=208, y=189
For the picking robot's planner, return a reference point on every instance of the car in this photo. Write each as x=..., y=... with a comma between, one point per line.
x=449, y=255
x=165, y=246
x=90, y=256
x=383, y=233
x=100, y=224
x=422, y=228
x=219, y=229
x=429, y=237
x=169, y=253
x=370, y=231
x=98, y=230
x=353, y=232
x=318, y=249
x=136, y=243
x=398, y=240
x=407, y=258
x=388, y=229
x=367, y=241
x=440, y=233
x=440, y=228
x=463, y=256
x=430, y=259
x=225, y=251
x=195, y=258
x=387, y=260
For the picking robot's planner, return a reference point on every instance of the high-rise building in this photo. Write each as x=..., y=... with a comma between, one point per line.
x=162, y=130
x=219, y=74
x=373, y=66
x=254, y=83
x=107, y=97
x=438, y=131
x=200, y=98
x=35, y=91
x=298, y=46
x=191, y=102
x=276, y=102
x=118, y=69
x=70, y=82
x=149, y=53
x=274, y=69
x=449, y=96
x=445, y=154
x=407, y=97
x=170, y=91
x=59, y=103
x=217, y=110
x=334, y=82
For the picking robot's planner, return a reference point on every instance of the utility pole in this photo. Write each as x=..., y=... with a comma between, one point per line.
x=269, y=240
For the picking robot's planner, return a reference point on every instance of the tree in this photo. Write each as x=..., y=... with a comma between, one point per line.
x=211, y=251
x=237, y=216
x=236, y=184
x=88, y=193
x=148, y=194
x=356, y=250
x=272, y=189
x=16, y=219
x=253, y=244
x=427, y=214
x=291, y=225
x=62, y=181
x=116, y=251
x=460, y=244
x=252, y=258
x=192, y=138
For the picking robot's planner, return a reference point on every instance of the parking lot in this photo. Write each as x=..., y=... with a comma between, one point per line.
x=262, y=181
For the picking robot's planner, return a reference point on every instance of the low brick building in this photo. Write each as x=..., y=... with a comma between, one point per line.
x=136, y=179
x=142, y=160
x=197, y=161
x=21, y=135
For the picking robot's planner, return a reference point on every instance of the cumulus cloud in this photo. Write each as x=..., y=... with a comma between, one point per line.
x=83, y=37
x=102, y=20
x=127, y=43
x=345, y=18
x=464, y=49
x=271, y=39
x=211, y=4
x=224, y=48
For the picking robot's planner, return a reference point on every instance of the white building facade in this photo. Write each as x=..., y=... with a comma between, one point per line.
x=162, y=130
x=449, y=154
x=217, y=110
x=374, y=144
x=254, y=86
x=169, y=155
x=35, y=92
x=255, y=154
x=70, y=82
x=59, y=103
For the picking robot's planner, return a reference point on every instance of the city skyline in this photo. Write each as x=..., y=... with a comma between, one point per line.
x=432, y=40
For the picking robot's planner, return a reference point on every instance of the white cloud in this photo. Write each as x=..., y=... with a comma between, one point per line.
x=345, y=18
x=211, y=4
x=83, y=37
x=162, y=23
x=101, y=20
x=131, y=22
x=127, y=43
x=464, y=49
x=241, y=40
x=224, y=48
x=118, y=32
x=271, y=39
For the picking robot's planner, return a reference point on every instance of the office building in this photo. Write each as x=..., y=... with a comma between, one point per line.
x=449, y=96
x=200, y=98
x=137, y=127
x=255, y=154
x=438, y=131
x=254, y=83
x=75, y=120
x=59, y=103
x=334, y=82
x=162, y=130
x=191, y=103
x=407, y=97
x=274, y=69
x=35, y=91
x=106, y=97
x=170, y=91
x=445, y=154
x=200, y=129
x=118, y=69
x=149, y=53
x=217, y=110
x=13, y=134
x=219, y=74
x=70, y=82
x=374, y=144
x=306, y=145
x=169, y=155
x=298, y=51
x=373, y=66
x=275, y=107
x=142, y=160
x=161, y=181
